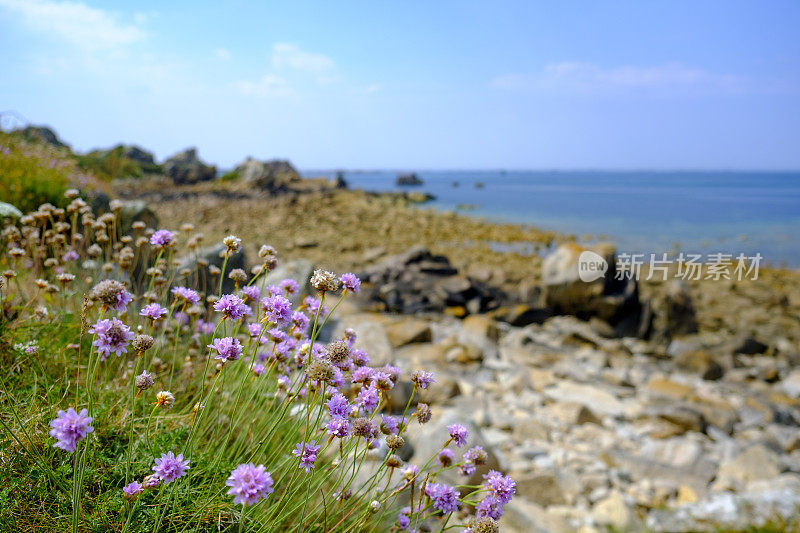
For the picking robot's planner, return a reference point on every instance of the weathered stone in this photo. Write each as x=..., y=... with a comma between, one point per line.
x=187, y=168
x=299, y=270
x=273, y=175
x=542, y=488
x=573, y=413
x=596, y=399
x=614, y=300
x=755, y=463
x=613, y=511
x=700, y=362
x=481, y=326
x=408, y=332
x=464, y=354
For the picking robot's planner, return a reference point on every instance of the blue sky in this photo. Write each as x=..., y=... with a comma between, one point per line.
x=415, y=84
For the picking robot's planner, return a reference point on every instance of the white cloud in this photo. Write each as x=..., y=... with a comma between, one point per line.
x=76, y=23
x=291, y=67
x=267, y=85
x=591, y=78
x=223, y=54
x=286, y=56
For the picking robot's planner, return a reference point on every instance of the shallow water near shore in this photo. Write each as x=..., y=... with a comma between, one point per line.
x=642, y=212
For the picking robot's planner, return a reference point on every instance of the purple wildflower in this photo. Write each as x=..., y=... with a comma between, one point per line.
x=312, y=304
x=501, y=487
x=338, y=427
x=445, y=497
x=191, y=297
x=458, y=433
x=153, y=312
x=251, y=292
x=307, y=452
x=258, y=369
x=359, y=357
x=204, y=328
x=362, y=374
x=231, y=306
x=446, y=457
x=170, y=467
x=113, y=336
x=338, y=406
x=422, y=379
x=132, y=489
x=389, y=424
x=467, y=469
x=162, y=238
x=69, y=428
x=228, y=348
x=254, y=330
x=403, y=521
x=350, y=282
x=490, y=507
x=71, y=255
x=290, y=286
x=249, y=483
x=368, y=399
x=300, y=320
x=278, y=309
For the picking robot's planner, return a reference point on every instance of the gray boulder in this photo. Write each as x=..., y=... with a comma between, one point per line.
x=186, y=168
x=9, y=211
x=273, y=175
x=614, y=300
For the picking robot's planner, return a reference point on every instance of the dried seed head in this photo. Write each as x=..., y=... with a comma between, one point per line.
x=144, y=381
x=338, y=352
x=109, y=292
x=138, y=225
x=393, y=461
x=265, y=251
x=232, y=243
x=238, y=275
x=65, y=278
x=94, y=251
x=423, y=413
x=483, y=524
x=11, y=274
x=320, y=370
x=323, y=280
x=69, y=194
x=142, y=343
x=364, y=427
x=165, y=399
x=395, y=442
x=214, y=270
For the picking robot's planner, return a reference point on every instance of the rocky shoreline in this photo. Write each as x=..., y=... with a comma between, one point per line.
x=692, y=424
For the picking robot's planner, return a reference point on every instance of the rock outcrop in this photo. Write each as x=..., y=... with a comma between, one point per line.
x=273, y=175
x=417, y=281
x=186, y=168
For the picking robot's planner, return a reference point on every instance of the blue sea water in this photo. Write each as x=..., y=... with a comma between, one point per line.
x=641, y=212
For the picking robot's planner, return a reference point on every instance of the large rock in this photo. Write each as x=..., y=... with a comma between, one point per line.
x=673, y=312
x=755, y=463
x=187, y=168
x=136, y=211
x=273, y=175
x=417, y=281
x=41, y=134
x=601, y=294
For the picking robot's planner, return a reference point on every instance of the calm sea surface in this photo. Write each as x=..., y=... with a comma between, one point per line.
x=642, y=212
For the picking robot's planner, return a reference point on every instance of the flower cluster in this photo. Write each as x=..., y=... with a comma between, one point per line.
x=236, y=379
